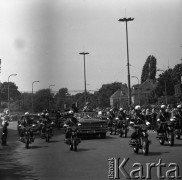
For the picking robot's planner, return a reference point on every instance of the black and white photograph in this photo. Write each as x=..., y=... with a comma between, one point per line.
x=90, y=89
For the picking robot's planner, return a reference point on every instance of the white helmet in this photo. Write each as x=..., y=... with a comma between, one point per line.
x=47, y=114
x=100, y=113
x=120, y=109
x=179, y=106
x=137, y=108
x=163, y=107
x=71, y=112
x=27, y=113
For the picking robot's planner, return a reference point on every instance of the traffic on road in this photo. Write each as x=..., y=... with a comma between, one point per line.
x=92, y=145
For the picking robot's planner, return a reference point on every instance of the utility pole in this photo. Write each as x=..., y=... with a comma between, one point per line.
x=128, y=64
x=84, y=53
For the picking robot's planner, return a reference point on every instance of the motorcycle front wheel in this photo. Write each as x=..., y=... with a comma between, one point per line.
x=27, y=143
x=125, y=132
x=71, y=147
x=136, y=149
x=171, y=139
x=145, y=146
x=4, y=140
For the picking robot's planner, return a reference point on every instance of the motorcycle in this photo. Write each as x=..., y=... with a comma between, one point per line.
x=178, y=133
x=113, y=128
x=27, y=139
x=59, y=123
x=47, y=131
x=178, y=130
x=74, y=139
x=4, y=133
x=167, y=133
x=142, y=141
x=124, y=129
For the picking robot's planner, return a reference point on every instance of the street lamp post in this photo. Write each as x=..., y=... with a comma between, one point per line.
x=129, y=89
x=138, y=88
x=8, y=91
x=84, y=53
x=165, y=84
x=50, y=94
x=32, y=93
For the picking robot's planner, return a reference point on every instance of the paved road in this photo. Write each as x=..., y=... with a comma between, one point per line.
x=54, y=160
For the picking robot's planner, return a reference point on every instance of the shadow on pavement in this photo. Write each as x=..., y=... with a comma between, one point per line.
x=53, y=141
x=156, y=153
x=36, y=147
x=84, y=149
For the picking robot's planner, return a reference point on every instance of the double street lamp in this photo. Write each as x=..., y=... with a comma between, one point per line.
x=8, y=91
x=50, y=94
x=32, y=93
x=129, y=89
x=84, y=53
x=165, y=84
x=138, y=88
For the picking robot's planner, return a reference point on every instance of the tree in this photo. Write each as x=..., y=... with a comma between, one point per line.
x=165, y=77
x=63, y=99
x=41, y=100
x=105, y=92
x=13, y=92
x=177, y=73
x=149, y=69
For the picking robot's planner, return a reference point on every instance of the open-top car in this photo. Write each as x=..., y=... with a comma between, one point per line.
x=91, y=124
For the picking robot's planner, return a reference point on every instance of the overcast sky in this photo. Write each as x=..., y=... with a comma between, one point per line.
x=40, y=40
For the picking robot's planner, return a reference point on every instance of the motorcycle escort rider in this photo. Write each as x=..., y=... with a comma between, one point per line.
x=5, y=123
x=46, y=120
x=163, y=116
x=138, y=119
x=111, y=118
x=178, y=116
x=121, y=117
x=26, y=122
x=71, y=121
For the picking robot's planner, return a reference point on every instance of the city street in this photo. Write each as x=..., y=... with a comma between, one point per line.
x=54, y=160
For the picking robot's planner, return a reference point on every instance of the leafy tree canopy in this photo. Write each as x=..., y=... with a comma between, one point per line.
x=149, y=69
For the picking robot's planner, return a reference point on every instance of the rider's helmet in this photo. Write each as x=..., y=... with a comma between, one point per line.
x=71, y=112
x=179, y=107
x=47, y=115
x=42, y=115
x=27, y=114
x=163, y=107
x=100, y=113
x=121, y=109
x=137, y=108
x=111, y=111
